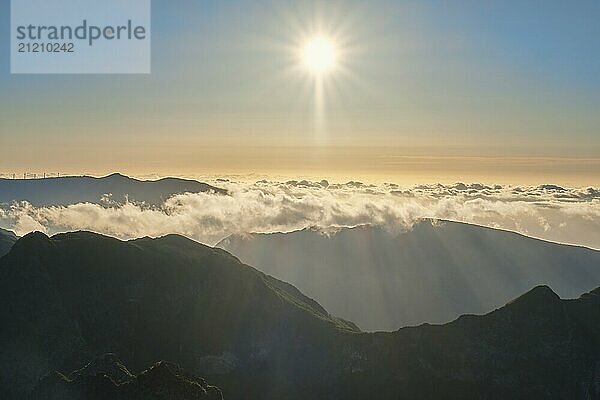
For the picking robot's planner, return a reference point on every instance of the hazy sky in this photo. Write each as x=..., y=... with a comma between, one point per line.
x=493, y=91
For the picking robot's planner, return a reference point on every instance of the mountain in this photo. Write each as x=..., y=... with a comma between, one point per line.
x=75, y=296
x=535, y=347
x=431, y=273
x=7, y=239
x=107, y=378
x=68, y=298
x=78, y=189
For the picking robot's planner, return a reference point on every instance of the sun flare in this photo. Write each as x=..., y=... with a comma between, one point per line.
x=319, y=55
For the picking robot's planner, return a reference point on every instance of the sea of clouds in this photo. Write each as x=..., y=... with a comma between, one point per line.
x=567, y=215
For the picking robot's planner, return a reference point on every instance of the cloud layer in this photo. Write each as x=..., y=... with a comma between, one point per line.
x=549, y=212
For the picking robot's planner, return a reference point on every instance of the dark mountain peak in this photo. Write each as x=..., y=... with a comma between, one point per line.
x=166, y=377
x=177, y=239
x=91, y=241
x=117, y=175
x=162, y=381
x=171, y=241
x=83, y=236
x=53, y=378
x=108, y=364
x=78, y=235
x=539, y=296
x=33, y=241
x=34, y=236
x=162, y=371
x=544, y=292
x=182, y=245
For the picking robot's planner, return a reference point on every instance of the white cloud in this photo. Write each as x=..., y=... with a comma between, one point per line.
x=549, y=212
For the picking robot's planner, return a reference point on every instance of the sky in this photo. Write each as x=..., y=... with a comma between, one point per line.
x=426, y=91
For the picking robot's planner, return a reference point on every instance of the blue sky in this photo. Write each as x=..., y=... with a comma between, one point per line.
x=423, y=79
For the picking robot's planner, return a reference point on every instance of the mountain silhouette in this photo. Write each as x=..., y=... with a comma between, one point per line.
x=78, y=189
x=70, y=298
x=432, y=273
x=73, y=296
x=7, y=240
x=107, y=378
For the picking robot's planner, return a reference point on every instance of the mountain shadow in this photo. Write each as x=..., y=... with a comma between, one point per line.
x=80, y=189
x=432, y=273
x=67, y=299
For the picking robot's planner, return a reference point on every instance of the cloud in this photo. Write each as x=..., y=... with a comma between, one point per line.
x=570, y=215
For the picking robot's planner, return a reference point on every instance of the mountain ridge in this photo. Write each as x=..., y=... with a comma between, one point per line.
x=330, y=231
x=62, y=191
x=75, y=296
x=458, y=269
x=105, y=377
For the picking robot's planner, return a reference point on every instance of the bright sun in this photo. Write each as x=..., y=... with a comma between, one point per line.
x=319, y=54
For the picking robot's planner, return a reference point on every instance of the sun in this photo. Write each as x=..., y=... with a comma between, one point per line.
x=319, y=55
